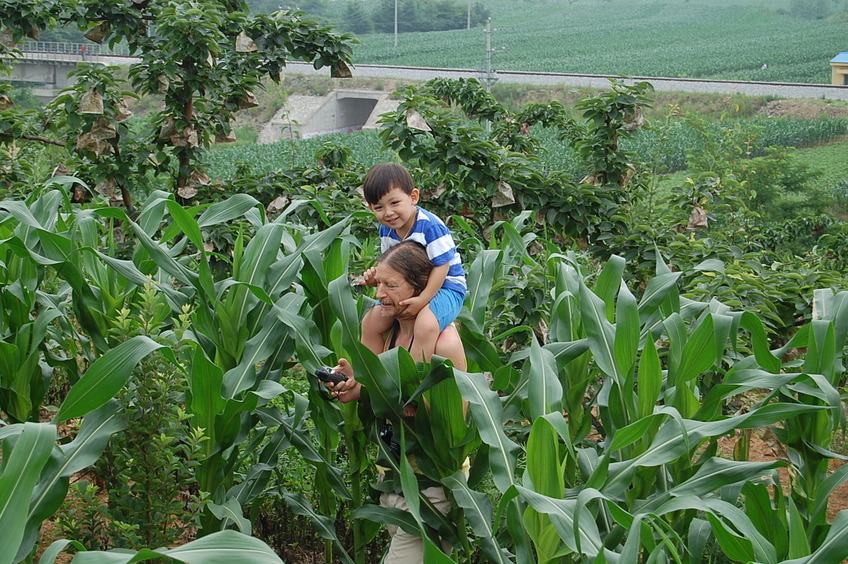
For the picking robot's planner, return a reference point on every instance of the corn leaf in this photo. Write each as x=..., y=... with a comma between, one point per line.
x=485, y=408
x=107, y=375
x=24, y=457
x=545, y=390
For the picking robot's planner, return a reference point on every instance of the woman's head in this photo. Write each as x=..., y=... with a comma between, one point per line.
x=409, y=260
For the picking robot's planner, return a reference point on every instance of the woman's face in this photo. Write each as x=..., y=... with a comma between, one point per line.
x=392, y=288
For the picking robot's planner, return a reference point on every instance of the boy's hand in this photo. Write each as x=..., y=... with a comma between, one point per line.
x=413, y=306
x=369, y=277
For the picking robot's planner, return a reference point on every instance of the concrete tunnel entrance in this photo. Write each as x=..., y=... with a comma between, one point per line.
x=339, y=111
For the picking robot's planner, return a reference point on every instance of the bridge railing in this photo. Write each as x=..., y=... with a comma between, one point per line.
x=77, y=50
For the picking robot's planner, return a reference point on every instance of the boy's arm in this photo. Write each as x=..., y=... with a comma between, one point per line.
x=368, y=278
x=434, y=283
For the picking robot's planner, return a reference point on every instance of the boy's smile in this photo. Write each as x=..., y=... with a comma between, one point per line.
x=397, y=210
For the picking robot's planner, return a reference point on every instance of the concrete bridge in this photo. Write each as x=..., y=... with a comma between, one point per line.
x=44, y=65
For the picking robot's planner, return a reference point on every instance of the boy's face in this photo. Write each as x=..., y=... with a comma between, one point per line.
x=396, y=210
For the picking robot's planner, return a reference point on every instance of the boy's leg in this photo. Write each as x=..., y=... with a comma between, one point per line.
x=373, y=327
x=432, y=320
x=426, y=333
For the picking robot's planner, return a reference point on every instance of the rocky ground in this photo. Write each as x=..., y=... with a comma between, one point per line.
x=805, y=108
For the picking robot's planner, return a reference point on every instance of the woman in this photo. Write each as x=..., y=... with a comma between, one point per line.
x=402, y=272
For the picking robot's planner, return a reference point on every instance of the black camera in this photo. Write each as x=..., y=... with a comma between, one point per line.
x=327, y=374
x=387, y=433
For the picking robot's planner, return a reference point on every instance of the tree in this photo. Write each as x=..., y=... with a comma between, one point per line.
x=811, y=9
x=205, y=57
x=357, y=19
x=384, y=16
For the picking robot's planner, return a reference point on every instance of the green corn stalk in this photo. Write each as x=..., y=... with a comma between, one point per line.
x=334, y=422
x=44, y=243
x=809, y=437
x=238, y=323
x=546, y=470
x=34, y=474
x=648, y=479
x=219, y=547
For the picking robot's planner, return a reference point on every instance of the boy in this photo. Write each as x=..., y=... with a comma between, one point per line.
x=393, y=199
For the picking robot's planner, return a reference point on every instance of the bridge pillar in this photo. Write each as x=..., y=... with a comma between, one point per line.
x=47, y=78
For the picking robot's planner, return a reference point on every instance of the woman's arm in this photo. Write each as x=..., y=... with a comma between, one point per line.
x=448, y=345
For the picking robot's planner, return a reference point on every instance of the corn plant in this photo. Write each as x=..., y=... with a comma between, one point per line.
x=42, y=264
x=244, y=332
x=223, y=546
x=644, y=480
x=247, y=328
x=35, y=471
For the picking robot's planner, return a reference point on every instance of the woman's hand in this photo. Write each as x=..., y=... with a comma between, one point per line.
x=350, y=389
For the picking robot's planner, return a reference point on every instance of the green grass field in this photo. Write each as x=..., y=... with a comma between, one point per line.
x=831, y=162
x=695, y=38
x=829, y=159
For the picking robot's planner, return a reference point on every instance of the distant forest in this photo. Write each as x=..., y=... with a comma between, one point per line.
x=354, y=16
x=378, y=16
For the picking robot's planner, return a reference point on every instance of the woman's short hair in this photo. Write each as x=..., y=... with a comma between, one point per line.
x=410, y=259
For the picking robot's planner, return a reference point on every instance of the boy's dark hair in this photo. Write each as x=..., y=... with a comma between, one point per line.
x=382, y=178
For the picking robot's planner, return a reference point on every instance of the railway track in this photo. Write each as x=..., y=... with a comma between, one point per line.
x=70, y=53
x=775, y=89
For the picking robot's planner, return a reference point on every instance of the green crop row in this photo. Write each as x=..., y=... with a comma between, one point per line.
x=683, y=39
x=224, y=161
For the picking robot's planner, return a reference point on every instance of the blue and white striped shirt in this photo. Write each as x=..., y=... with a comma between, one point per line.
x=431, y=232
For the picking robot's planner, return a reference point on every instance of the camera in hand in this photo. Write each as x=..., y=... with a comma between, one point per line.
x=327, y=374
x=387, y=433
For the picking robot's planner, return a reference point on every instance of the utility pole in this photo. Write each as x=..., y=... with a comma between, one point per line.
x=396, y=1
x=468, y=24
x=489, y=76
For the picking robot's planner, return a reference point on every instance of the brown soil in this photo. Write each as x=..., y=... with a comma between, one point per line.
x=764, y=447
x=808, y=109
